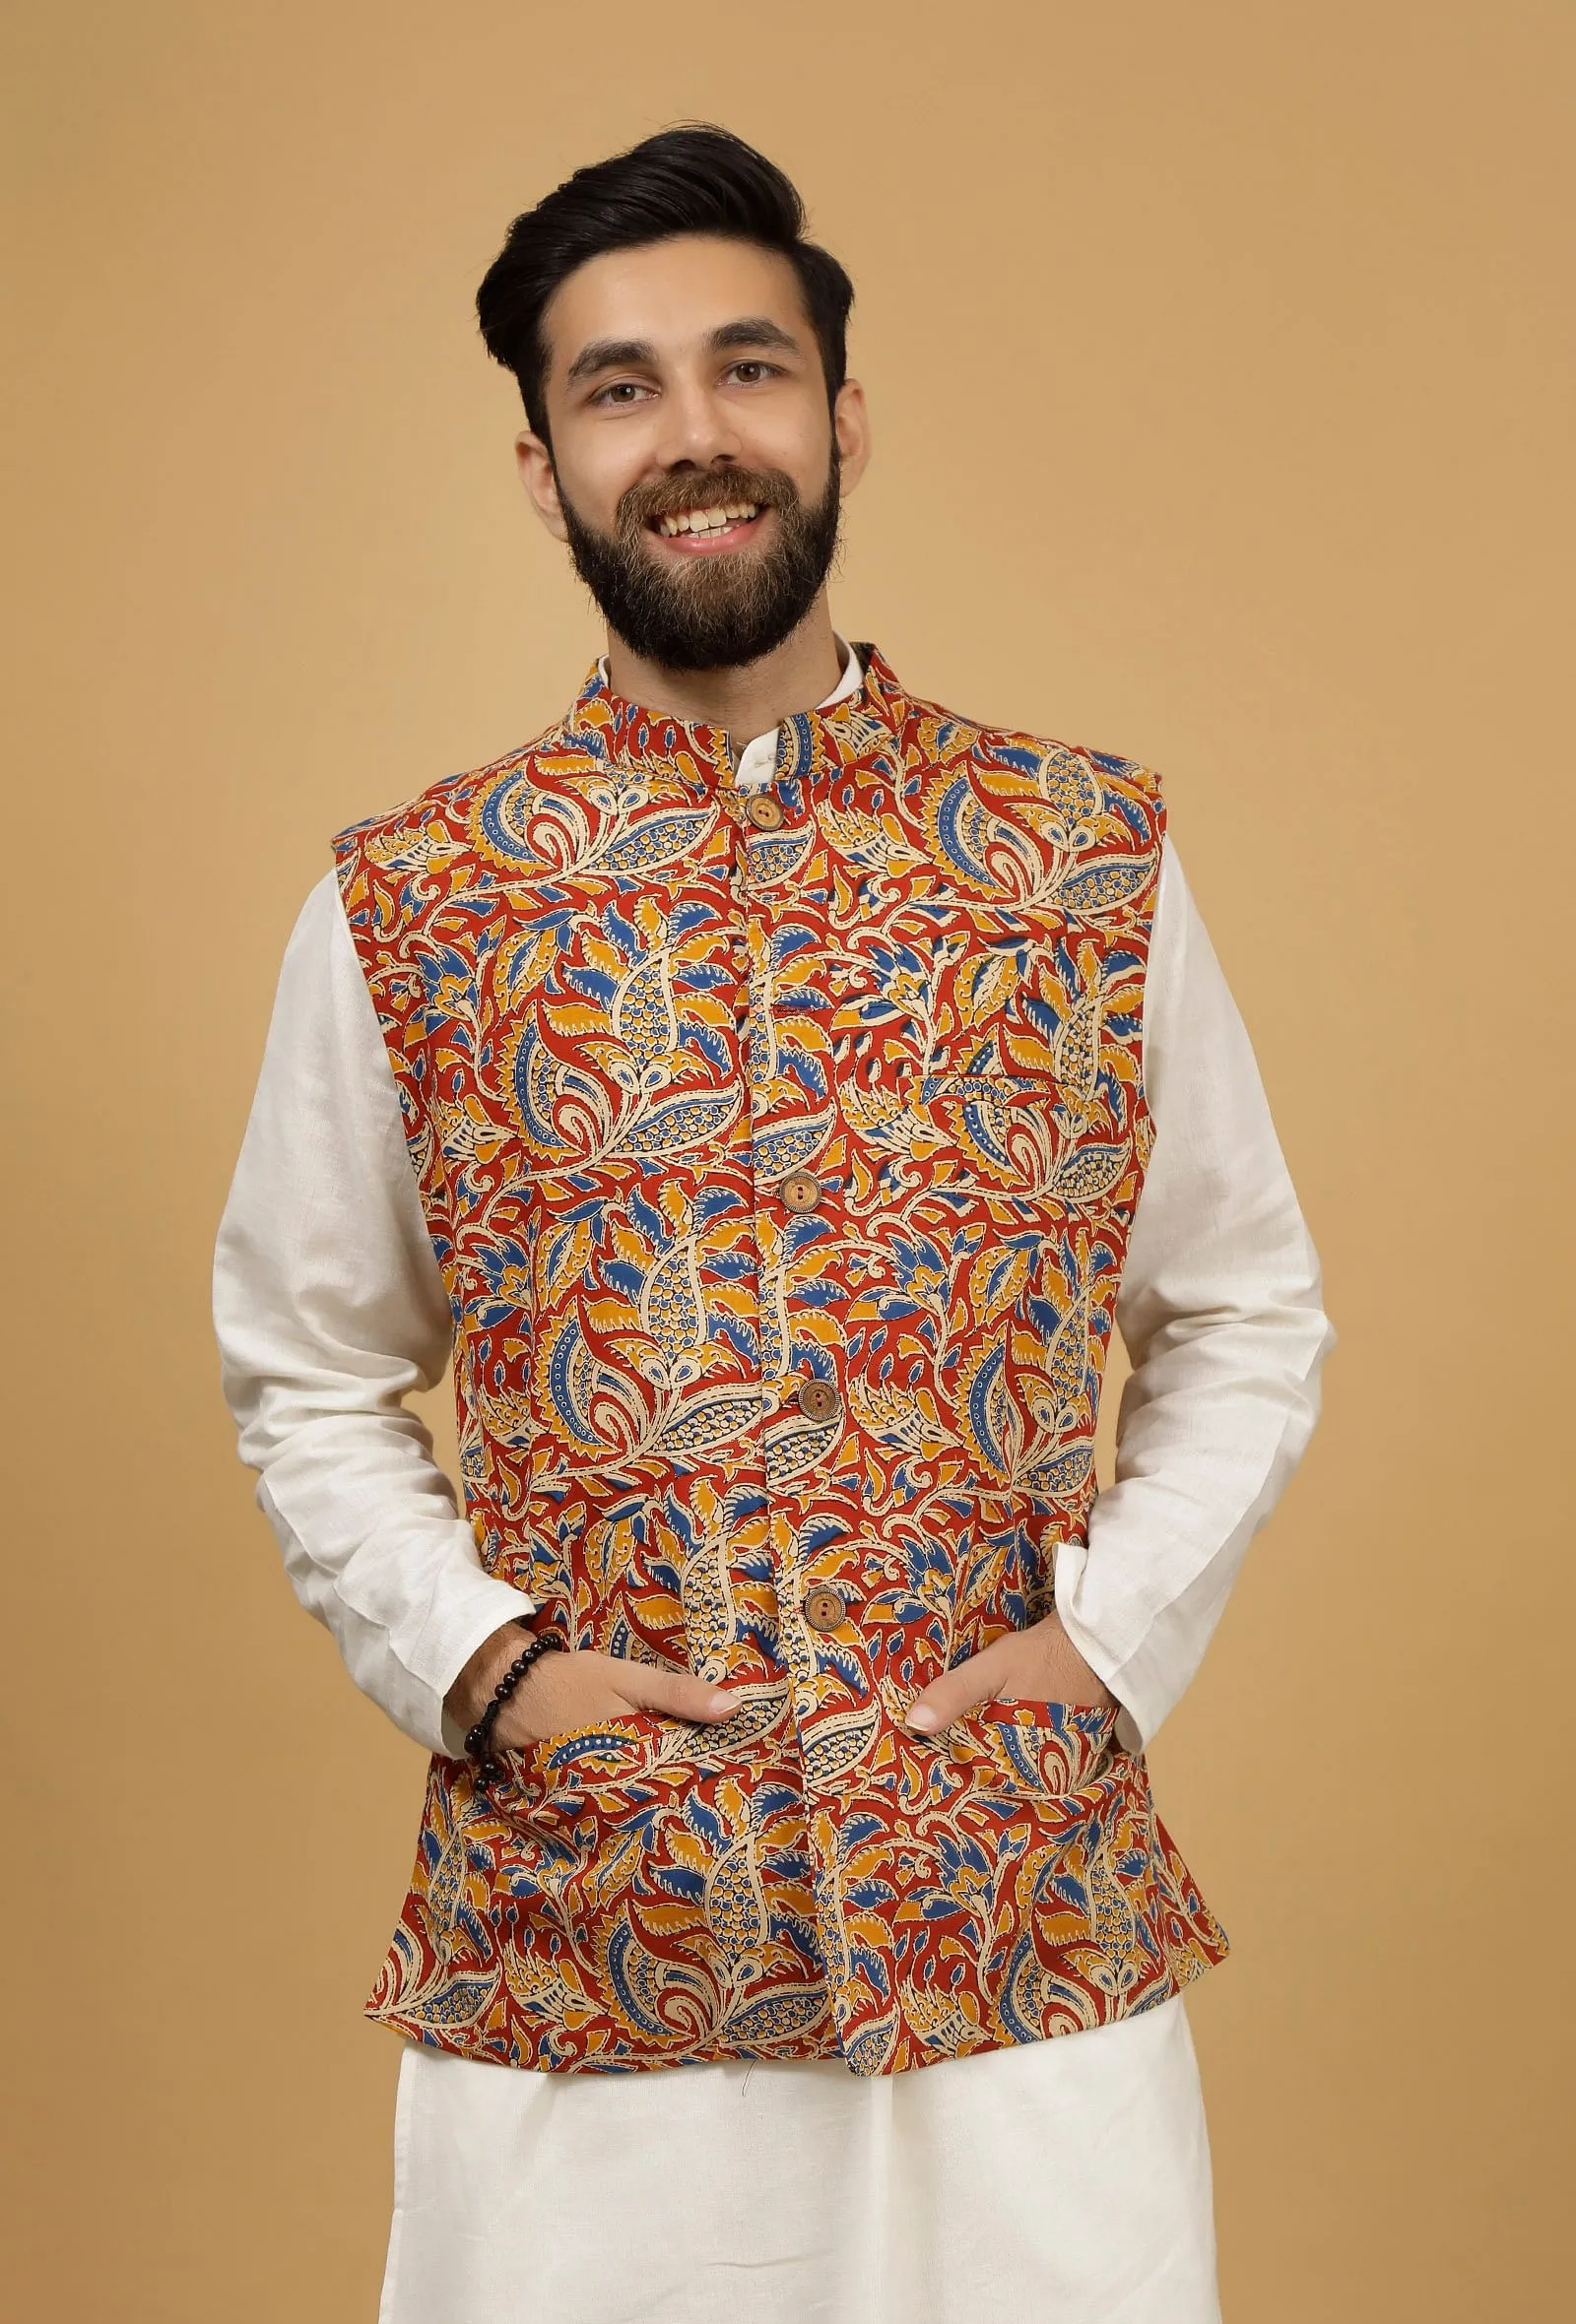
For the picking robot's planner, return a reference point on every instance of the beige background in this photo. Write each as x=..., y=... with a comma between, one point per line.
x=1219, y=356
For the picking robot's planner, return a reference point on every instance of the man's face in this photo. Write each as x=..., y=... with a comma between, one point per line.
x=694, y=471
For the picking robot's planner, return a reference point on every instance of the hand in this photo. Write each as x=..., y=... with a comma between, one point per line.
x=1039, y=1665
x=562, y=1691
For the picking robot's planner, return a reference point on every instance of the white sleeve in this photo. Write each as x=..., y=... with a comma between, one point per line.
x=330, y=1309
x=1220, y=1314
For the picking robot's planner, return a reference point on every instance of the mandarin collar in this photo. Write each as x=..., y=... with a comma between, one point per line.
x=654, y=742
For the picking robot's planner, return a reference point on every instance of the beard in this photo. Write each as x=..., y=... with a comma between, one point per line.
x=717, y=612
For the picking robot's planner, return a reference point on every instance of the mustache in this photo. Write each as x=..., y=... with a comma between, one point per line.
x=719, y=487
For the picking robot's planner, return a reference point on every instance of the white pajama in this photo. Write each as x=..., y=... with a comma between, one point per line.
x=1068, y=2183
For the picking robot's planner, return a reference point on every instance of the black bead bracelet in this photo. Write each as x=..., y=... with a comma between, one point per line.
x=479, y=1742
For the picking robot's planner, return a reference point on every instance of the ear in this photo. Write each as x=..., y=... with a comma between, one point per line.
x=851, y=425
x=535, y=463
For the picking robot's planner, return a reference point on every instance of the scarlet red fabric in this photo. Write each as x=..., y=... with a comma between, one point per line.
x=619, y=1013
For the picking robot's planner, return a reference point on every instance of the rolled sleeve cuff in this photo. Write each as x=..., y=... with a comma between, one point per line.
x=1138, y=1717
x=474, y=1606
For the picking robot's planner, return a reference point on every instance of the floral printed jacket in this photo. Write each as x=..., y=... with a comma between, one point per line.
x=780, y=1151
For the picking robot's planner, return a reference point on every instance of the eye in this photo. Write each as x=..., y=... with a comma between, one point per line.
x=752, y=369
x=620, y=391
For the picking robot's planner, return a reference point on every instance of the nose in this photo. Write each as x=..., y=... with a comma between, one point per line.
x=698, y=429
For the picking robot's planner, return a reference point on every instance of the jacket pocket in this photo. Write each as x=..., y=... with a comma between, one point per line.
x=587, y=1759
x=1041, y=1749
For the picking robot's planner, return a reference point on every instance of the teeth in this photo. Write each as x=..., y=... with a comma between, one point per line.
x=709, y=520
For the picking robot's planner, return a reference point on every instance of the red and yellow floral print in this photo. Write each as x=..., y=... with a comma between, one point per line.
x=780, y=1160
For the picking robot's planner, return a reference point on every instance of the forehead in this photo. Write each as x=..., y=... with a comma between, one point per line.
x=671, y=293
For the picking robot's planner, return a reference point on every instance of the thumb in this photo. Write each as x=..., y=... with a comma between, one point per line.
x=675, y=1694
x=974, y=1681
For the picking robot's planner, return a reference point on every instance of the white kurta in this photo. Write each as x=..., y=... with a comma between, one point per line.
x=1069, y=2180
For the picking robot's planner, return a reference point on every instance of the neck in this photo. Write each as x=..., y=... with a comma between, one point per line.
x=746, y=700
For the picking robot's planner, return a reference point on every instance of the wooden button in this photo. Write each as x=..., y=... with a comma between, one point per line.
x=764, y=812
x=799, y=1191
x=825, y=1608
x=818, y=1400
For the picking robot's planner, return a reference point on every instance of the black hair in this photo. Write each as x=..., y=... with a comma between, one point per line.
x=695, y=179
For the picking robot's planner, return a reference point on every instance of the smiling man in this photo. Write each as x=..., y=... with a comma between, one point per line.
x=769, y=1090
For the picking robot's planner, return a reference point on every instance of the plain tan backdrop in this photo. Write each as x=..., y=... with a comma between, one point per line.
x=1218, y=357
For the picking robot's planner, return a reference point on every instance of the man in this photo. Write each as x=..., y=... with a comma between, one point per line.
x=773, y=1088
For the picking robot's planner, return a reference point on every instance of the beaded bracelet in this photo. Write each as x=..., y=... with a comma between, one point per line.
x=479, y=1741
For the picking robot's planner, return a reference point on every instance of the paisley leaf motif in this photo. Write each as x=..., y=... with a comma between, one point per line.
x=573, y=1019
x=986, y=1116
x=985, y=1402
x=963, y=829
x=705, y=1588
x=1068, y=787
x=644, y=1016
x=1068, y=1362
x=1106, y=886
x=1065, y=1475
x=785, y=2014
x=788, y=1147
x=717, y=1416
x=1019, y=1998
x=460, y=2001
x=570, y=1375
x=660, y=839
x=577, y=1752
x=669, y=2002
x=1078, y=1049
x=1089, y=1172
x=773, y=861
x=531, y=1081
x=688, y=1119
x=520, y=825
x=795, y=1445
x=736, y=1902
x=559, y=1106
x=672, y=1302
x=836, y=1743
x=868, y=2049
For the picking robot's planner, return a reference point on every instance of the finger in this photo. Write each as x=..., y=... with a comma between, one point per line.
x=977, y=1680
x=675, y=1694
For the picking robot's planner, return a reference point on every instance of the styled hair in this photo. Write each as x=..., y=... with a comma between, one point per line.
x=695, y=179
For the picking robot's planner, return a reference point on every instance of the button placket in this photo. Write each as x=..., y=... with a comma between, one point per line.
x=739, y=944
x=820, y=1608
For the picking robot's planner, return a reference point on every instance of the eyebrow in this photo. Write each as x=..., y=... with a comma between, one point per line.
x=609, y=354
x=613, y=355
x=754, y=331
